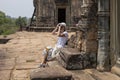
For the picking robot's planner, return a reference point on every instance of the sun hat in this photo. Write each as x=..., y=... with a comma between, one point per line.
x=63, y=24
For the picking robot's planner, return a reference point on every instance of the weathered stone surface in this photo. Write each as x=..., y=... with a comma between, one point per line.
x=26, y=46
x=112, y=76
x=28, y=59
x=71, y=42
x=85, y=39
x=116, y=70
x=72, y=58
x=81, y=75
x=89, y=46
x=49, y=15
x=20, y=75
x=7, y=64
x=5, y=74
x=104, y=35
x=92, y=35
x=21, y=79
x=2, y=54
x=25, y=66
x=54, y=63
x=50, y=73
x=102, y=75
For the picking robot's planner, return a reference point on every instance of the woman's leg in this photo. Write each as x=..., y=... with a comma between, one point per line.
x=45, y=56
x=55, y=53
x=45, y=59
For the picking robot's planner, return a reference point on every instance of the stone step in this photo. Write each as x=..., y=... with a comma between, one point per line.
x=76, y=74
x=91, y=74
x=50, y=73
x=102, y=75
x=42, y=29
x=72, y=59
x=81, y=75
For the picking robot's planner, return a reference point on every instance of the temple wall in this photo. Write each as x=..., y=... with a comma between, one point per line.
x=47, y=12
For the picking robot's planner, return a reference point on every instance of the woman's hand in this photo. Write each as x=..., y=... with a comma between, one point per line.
x=58, y=25
x=59, y=28
x=54, y=32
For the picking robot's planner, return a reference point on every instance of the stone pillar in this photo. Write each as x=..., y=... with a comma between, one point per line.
x=89, y=27
x=103, y=35
x=86, y=36
x=115, y=36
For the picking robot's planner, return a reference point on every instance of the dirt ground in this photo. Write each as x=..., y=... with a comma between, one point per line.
x=23, y=53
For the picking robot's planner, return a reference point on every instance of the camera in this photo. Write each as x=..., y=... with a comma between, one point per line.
x=59, y=25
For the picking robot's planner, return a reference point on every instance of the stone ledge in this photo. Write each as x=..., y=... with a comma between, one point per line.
x=73, y=59
x=50, y=73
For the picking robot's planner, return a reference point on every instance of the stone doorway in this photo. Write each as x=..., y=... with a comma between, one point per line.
x=61, y=15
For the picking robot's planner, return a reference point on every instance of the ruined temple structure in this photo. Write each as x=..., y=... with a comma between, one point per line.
x=86, y=37
x=98, y=30
x=98, y=33
x=48, y=13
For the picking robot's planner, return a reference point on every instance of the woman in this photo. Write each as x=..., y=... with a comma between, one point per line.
x=51, y=53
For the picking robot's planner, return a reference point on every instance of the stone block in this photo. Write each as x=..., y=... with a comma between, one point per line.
x=70, y=58
x=73, y=59
x=50, y=73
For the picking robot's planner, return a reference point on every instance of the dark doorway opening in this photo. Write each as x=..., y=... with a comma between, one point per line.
x=61, y=15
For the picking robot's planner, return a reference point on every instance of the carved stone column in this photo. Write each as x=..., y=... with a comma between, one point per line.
x=115, y=36
x=103, y=35
x=88, y=26
x=86, y=36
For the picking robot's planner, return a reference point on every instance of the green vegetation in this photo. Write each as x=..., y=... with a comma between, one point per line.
x=10, y=25
x=21, y=21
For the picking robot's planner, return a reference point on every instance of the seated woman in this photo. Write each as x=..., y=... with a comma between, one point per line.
x=51, y=53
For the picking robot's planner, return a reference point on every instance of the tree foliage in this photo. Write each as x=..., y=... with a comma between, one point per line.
x=21, y=21
x=2, y=17
x=10, y=25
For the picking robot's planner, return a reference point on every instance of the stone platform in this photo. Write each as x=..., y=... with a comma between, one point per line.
x=23, y=53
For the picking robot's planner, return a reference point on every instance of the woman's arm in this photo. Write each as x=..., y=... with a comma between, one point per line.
x=54, y=32
x=59, y=32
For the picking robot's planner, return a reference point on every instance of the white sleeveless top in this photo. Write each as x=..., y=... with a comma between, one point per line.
x=62, y=40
